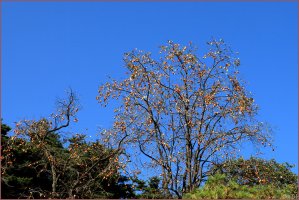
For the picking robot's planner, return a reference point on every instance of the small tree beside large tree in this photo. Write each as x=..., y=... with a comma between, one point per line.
x=40, y=161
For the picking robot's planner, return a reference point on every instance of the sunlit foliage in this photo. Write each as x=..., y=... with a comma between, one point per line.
x=217, y=187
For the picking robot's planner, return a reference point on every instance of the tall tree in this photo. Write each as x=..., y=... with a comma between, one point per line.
x=183, y=111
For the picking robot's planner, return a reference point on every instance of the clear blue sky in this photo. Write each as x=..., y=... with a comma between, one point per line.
x=48, y=47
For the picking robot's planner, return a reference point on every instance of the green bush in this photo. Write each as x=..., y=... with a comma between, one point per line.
x=217, y=187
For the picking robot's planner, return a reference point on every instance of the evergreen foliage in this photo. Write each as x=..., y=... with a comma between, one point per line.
x=257, y=171
x=148, y=189
x=219, y=186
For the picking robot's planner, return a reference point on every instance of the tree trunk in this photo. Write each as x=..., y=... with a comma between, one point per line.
x=54, y=181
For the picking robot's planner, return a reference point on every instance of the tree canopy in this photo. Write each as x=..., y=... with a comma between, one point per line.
x=183, y=111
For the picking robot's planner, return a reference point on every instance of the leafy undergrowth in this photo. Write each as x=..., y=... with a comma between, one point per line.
x=217, y=187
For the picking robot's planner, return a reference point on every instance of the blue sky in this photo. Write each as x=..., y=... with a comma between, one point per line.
x=48, y=47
